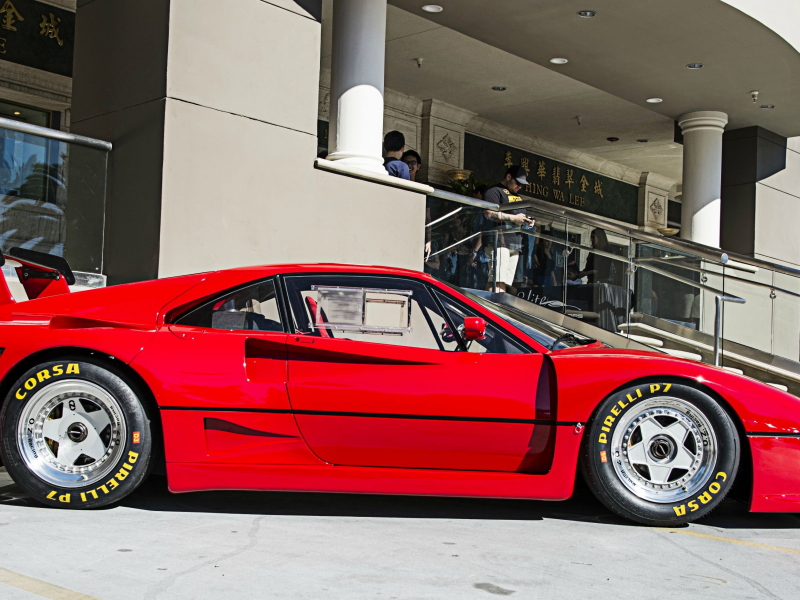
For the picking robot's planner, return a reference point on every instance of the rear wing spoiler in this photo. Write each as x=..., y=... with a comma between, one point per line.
x=40, y=274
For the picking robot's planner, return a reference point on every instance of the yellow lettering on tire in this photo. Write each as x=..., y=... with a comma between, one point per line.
x=724, y=476
x=22, y=397
x=83, y=496
x=42, y=375
x=73, y=368
x=93, y=493
x=122, y=474
x=654, y=388
x=132, y=456
x=615, y=411
x=603, y=439
x=104, y=488
x=30, y=384
x=693, y=506
x=714, y=488
x=58, y=370
x=609, y=421
x=680, y=510
x=112, y=484
x=51, y=495
x=666, y=387
x=705, y=497
x=64, y=498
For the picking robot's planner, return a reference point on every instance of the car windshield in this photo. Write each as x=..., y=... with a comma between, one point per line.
x=549, y=335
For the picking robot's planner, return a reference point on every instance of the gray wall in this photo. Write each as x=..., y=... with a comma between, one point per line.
x=214, y=134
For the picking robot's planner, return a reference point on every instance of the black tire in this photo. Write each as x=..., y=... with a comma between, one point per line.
x=70, y=399
x=614, y=470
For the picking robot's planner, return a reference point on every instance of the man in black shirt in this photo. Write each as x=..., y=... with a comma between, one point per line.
x=506, y=256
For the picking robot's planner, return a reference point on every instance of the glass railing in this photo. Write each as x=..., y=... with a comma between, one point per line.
x=659, y=291
x=52, y=193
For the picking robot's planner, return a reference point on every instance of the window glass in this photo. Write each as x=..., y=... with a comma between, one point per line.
x=254, y=308
x=383, y=310
x=495, y=342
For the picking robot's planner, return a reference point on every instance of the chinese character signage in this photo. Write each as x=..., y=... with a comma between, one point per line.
x=37, y=35
x=553, y=181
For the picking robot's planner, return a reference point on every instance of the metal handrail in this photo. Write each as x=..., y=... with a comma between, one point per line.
x=679, y=245
x=54, y=134
x=719, y=299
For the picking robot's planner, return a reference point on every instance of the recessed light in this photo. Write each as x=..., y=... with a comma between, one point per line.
x=587, y=14
x=559, y=61
x=767, y=106
x=499, y=88
x=654, y=100
x=432, y=8
x=16, y=112
x=694, y=66
x=613, y=139
x=643, y=141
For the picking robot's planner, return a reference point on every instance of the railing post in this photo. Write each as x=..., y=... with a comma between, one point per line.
x=718, y=323
x=495, y=262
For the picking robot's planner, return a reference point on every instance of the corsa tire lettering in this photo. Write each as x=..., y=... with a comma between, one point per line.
x=121, y=475
x=45, y=374
x=704, y=497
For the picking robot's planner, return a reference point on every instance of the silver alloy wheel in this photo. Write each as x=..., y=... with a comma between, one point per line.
x=69, y=433
x=664, y=450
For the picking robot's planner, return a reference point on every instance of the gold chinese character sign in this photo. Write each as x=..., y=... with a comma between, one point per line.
x=49, y=28
x=10, y=14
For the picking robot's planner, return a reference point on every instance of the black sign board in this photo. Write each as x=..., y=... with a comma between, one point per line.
x=37, y=35
x=553, y=181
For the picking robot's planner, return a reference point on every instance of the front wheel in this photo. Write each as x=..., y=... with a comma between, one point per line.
x=75, y=435
x=661, y=454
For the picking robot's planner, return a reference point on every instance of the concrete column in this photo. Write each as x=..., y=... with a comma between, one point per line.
x=702, y=175
x=357, y=69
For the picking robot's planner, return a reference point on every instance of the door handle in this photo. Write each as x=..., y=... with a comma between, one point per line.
x=302, y=339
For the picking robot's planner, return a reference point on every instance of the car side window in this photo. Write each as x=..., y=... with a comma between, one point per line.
x=383, y=310
x=252, y=308
x=495, y=342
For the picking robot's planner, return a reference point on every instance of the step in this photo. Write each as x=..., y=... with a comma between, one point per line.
x=683, y=354
x=783, y=388
x=656, y=343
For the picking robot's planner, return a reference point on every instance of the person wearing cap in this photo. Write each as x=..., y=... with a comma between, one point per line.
x=509, y=244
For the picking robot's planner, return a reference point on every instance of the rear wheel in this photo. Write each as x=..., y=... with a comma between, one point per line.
x=75, y=435
x=661, y=454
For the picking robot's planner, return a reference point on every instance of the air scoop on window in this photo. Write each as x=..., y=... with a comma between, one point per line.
x=366, y=310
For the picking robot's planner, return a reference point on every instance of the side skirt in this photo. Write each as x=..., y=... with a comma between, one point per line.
x=556, y=485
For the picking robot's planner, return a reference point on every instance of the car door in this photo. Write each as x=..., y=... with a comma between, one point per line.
x=219, y=373
x=396, y=389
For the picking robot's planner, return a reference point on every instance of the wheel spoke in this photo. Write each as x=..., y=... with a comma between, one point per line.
x=92, y=446
x=637, y=454
x=683, y=459
x=51, y=429
x=677, y=431
x=659, y=473
x=68, y=452
x=98, y=419
x=649, y=428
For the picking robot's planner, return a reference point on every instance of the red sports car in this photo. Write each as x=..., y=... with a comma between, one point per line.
x=340, y=378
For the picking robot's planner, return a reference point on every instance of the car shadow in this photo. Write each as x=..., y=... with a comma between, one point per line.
x=153, y=495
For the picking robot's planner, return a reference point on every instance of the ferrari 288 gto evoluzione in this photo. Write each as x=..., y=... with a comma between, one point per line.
x=337, y=378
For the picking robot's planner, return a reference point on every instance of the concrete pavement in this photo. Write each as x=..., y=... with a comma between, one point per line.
x=284, y=545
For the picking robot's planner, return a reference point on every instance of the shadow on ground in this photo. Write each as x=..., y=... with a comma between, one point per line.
x=153, y=495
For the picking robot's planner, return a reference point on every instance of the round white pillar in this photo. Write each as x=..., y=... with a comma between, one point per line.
x=357, y=68
x=702, y=175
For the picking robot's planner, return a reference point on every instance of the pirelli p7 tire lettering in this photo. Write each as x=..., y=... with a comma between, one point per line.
x=661, y=453
x=75, y=435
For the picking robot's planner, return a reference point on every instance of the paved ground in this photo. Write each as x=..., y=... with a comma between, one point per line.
x=269, y=545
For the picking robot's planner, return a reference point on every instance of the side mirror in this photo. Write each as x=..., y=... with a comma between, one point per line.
x=474, y=328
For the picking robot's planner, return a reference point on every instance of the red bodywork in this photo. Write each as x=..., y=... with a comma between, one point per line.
x=259, y=410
